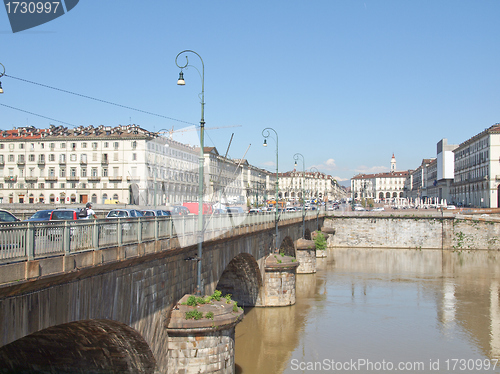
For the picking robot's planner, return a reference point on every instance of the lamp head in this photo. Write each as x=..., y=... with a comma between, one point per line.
x=180, y=81
x=265, y=143
x=1, y=89
x=295, y=163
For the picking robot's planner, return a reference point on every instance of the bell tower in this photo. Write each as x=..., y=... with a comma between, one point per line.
x=393, y=164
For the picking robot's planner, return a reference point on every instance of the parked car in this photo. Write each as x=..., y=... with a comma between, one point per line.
x=6, y=216
x=64, y=214
x=124, y=213
x=179, y=210
x=254, y=210
x=359, y=208
x=41, y=215
x=378, y=209
x=219, y=211
x=451, y=207
x=155, y=213
x=235, y=210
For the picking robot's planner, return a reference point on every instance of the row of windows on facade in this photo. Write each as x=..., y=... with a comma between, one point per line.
x=483, y=143
x=53, y=199
x=62, y=145
x=62, y=158
x=472, y=161
x=42, y=186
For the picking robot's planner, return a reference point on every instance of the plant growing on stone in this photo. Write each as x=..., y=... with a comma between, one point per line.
x=209, y=315
x=194, y=314
x=235, y=307
x=216, y=295
x=320, y=241
x=228, y=298
x=191, y=301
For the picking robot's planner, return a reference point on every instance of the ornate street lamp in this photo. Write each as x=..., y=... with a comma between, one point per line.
x=266, y=134
x=181, y=82
x=296, y=157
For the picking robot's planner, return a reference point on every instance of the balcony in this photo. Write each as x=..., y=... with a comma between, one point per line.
x=104, y=161
x=72, y=178
x=21, y=162
x=115, y=179
x=51, y=178
x=10, y=179
x=31, y=179
x=133, y=179
x=94, y=179
x=41, y=162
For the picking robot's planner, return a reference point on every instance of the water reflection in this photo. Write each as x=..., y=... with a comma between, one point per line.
x=378, y=305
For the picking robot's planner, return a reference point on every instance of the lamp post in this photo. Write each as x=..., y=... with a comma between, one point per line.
x=296, y=157
x=1, y=75
x=317, y=203
x=266, y=133
x=181, y=82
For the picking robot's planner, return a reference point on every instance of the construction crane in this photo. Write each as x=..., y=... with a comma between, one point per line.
x=193, y=128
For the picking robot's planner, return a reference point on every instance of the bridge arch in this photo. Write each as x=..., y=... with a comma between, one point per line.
x=242, y=279
x=97, y=346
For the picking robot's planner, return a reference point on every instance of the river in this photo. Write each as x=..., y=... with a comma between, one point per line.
x=376, y=311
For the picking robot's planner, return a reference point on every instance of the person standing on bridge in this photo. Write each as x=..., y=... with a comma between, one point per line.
x=90, y=212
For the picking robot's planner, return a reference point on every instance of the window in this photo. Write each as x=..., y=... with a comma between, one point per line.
x=11, y=158
x=84, y=172
x=62, y=172
x=62, y=158
x=106, y=144
x=63, y=145
x=42, y=145
x=52, y=172
x=31, y=158
x=104, y=172
x=134, y=156
x=73, y=146
x=41, y=186
x=73, y=157
x=21, y=145
x=72, y=172
x=134, y=145
x=52, y=157
x=84, y=145
x=115, y=145
x=115, y=156
x=61, y=185
x=83, y=158
x=94, y=172
x=94, y=145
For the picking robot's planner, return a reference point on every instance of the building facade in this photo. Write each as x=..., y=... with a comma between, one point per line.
x=477, y=170
x=380, y=187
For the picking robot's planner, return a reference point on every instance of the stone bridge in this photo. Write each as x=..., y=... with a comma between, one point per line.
x=106, y=310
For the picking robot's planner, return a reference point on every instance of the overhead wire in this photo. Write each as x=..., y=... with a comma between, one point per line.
x=98, y=100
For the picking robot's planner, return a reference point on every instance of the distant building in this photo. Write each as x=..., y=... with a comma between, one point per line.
x=380, y=186
x=294, y=185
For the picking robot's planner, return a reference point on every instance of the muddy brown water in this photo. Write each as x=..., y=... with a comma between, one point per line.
x=378, y=311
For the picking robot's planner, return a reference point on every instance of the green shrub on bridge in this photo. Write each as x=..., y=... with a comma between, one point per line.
x=320, y=241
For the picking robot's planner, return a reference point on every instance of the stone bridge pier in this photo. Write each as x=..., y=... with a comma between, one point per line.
x=109, y=313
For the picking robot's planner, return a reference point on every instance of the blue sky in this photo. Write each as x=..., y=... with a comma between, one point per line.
x=345, y=83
